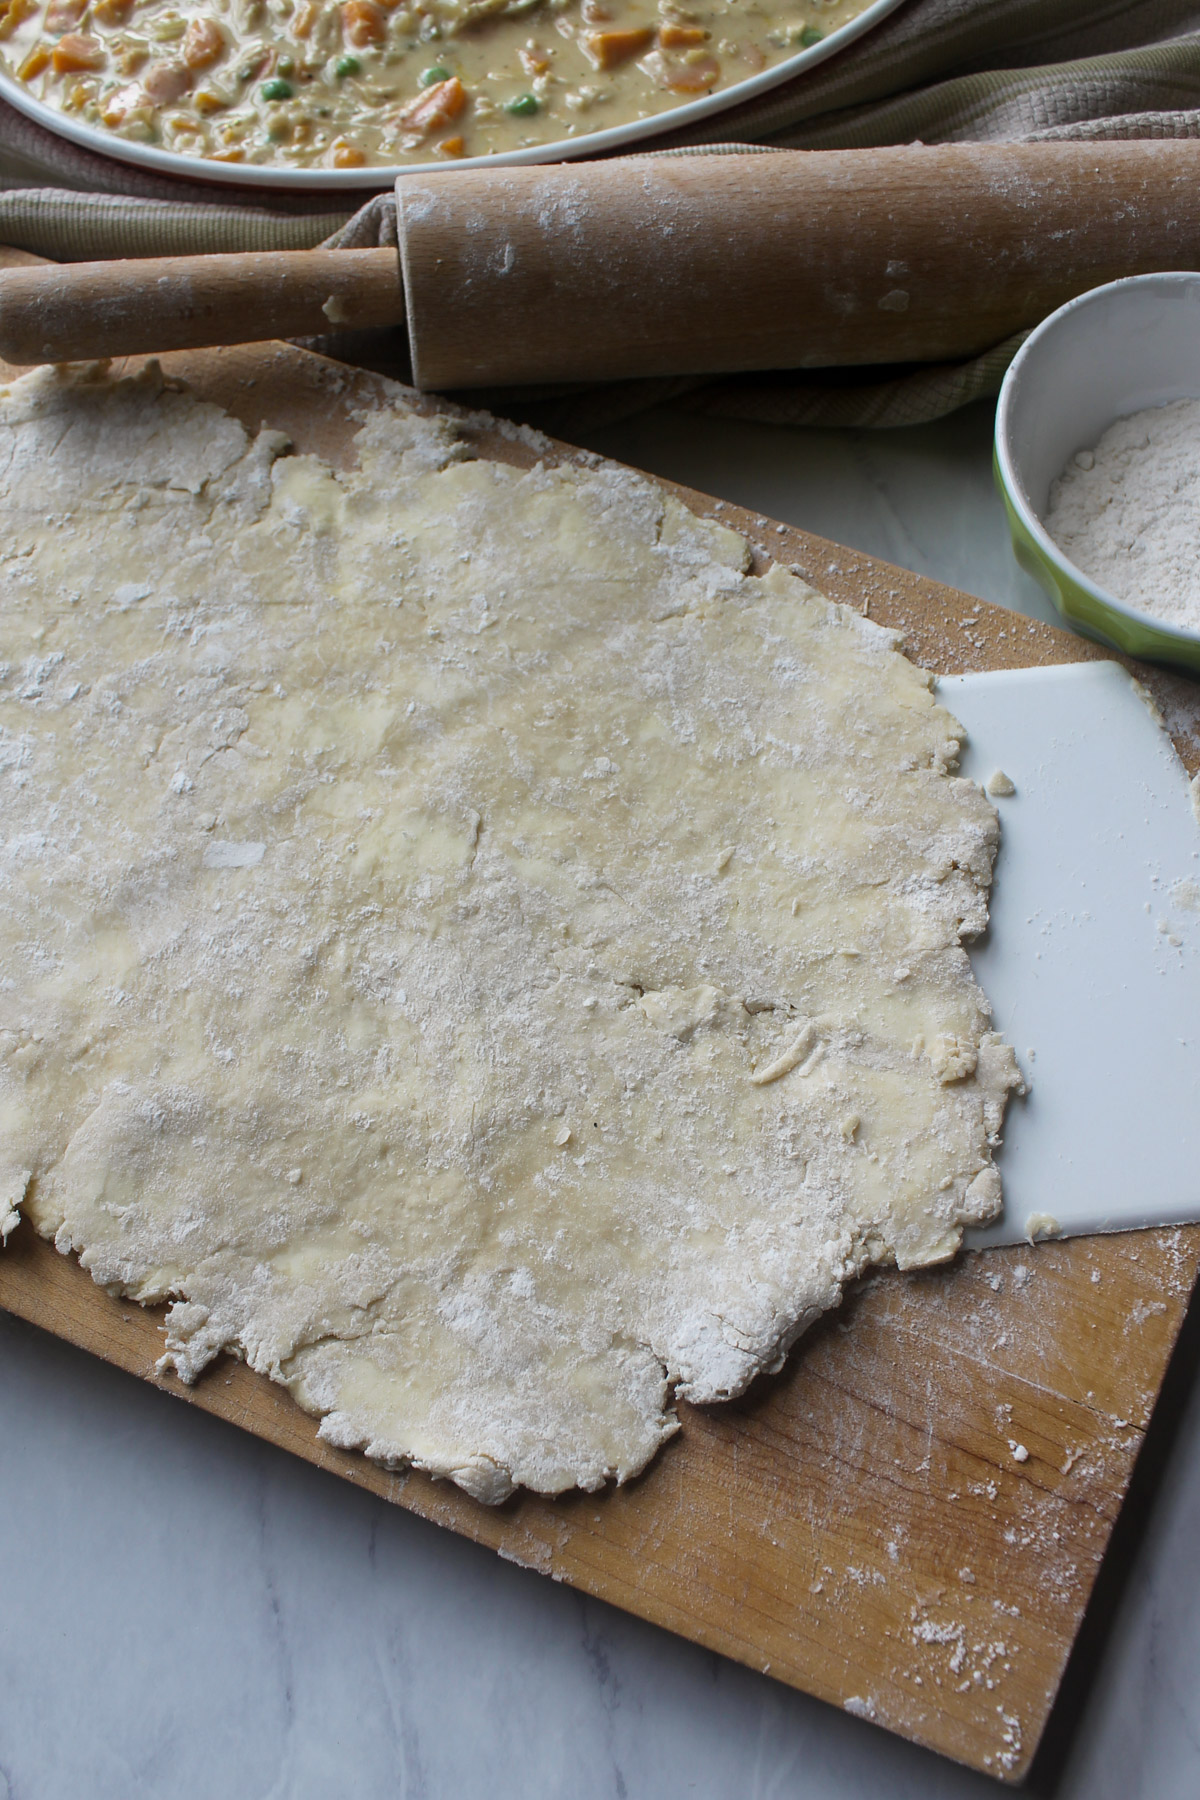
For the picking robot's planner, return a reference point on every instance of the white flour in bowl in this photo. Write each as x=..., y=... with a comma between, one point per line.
x=1128, y=512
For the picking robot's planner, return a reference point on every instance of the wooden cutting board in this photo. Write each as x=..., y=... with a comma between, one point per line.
x=857, y=1527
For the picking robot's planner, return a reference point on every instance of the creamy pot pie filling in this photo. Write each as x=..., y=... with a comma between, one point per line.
x=323, y=84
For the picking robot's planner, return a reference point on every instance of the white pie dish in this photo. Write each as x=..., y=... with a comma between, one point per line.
x=616, y=137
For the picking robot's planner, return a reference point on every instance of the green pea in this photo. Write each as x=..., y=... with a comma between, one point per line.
x=275, y=90
x=347, y=65
x=811, y=35
x=429, y=77
x=523, y=107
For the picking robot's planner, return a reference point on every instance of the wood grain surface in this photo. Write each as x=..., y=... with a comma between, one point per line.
x=858, y=1526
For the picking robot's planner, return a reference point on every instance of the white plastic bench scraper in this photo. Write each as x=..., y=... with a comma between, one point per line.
x=1092, y=958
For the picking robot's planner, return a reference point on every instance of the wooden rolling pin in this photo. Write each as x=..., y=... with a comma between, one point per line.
x=667, y=265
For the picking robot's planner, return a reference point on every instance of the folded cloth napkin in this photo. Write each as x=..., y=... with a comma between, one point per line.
x=934, y=71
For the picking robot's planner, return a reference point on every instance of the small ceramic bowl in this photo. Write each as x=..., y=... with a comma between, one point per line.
x=1113, y=351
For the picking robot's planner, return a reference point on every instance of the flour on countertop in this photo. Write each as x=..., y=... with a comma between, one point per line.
x=1128, y=512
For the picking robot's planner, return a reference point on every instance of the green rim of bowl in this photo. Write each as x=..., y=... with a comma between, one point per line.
x=1087, y=609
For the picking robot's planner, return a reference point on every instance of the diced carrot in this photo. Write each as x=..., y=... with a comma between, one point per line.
x=62, y=14
x=207, y=101
x=76, y=51
x=534, y=60
x=167, y=82
x=235, y=155
x=363, y=23
x=304, y=18
x=436, y=107
x=451, y=146
x=112, y=12
x=348, y=156
x=609, y=49
x=680, y=37
x=203, y=43
x=14, y=13
x=37, y=60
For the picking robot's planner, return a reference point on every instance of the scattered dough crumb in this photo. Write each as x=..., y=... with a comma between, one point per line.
x=335, y=310
x=999, y=785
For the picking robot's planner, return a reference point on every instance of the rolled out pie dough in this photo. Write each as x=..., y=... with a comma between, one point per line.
x=481, y=955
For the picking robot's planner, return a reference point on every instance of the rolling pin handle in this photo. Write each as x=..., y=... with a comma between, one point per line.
x=69, y=312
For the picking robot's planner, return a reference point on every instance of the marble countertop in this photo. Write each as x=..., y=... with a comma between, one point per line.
x=187, y=1612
